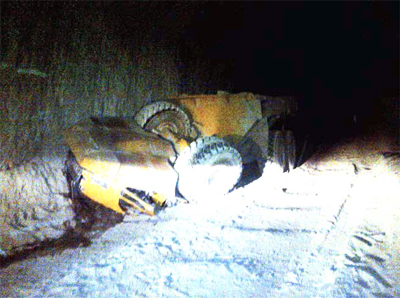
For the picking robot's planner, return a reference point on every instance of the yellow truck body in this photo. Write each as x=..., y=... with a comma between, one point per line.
x=115, y=158
x=119, y=159
x=225, y=115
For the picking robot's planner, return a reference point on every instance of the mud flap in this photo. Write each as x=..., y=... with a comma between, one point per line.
x=255, y=146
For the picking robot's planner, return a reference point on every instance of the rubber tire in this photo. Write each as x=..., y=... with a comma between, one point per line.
x=290, y=149
x=279, y=155
x=208, y=167
x=283, y=150
x=160, y=115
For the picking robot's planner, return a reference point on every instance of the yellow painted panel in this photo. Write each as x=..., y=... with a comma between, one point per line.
x=222, y=115
x=104, y=163
x=101, y=191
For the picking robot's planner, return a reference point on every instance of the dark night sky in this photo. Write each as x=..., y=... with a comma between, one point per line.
x=337, y=57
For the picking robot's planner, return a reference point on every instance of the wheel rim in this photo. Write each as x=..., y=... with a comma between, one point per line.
x=167, y=121
x=165, y=117
x=208, y=168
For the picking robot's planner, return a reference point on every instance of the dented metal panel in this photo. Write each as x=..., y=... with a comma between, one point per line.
x=114, y=159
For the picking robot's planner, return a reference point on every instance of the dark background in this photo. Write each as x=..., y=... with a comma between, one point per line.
x=303, y=48
x=338, y=58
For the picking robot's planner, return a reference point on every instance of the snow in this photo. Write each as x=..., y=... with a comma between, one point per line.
x=322, y=230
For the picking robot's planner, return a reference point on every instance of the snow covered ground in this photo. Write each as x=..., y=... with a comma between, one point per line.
x=326, y=229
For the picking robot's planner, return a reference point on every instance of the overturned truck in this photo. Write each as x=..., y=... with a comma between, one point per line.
x=181, y=148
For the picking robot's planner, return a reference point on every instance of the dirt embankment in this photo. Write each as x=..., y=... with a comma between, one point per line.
x=34, y=204
x=36, y=210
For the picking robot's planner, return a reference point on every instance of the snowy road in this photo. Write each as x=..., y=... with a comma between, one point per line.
x=330, y=233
